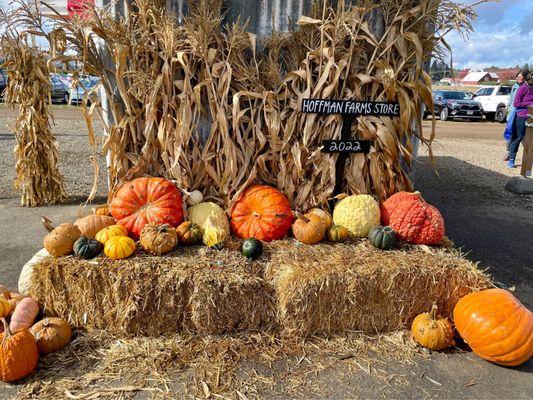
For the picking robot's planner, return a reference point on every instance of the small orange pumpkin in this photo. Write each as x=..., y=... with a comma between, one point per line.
x=60, y=241
x=18, y=354
x=102, y=210
x=51, y=334
x=5, y=308
x=496, y=326
x=309, y=228
x=326, y=217
x=431, y=331
x=189, y=233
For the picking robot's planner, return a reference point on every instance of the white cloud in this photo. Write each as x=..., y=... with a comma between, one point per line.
x=505, y=48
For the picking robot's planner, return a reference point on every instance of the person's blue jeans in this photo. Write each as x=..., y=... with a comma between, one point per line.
x=518, y=135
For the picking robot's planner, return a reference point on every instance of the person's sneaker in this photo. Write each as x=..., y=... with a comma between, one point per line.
x=511, y=164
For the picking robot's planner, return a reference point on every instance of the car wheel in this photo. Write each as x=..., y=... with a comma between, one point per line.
x=444, y=113
x=501, y=114
x=66, y=98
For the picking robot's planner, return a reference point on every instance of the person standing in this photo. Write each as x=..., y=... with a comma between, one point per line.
x=511, y=115
x=523, y=99
x=516, y=86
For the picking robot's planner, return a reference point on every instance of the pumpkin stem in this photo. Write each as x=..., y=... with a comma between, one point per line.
x=301, y=216
x=7, y=331
x=47, y=223
x=433, y=312
x=163, y=228
x=5, y=292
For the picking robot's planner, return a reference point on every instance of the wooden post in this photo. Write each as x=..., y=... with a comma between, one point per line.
x=527, y=159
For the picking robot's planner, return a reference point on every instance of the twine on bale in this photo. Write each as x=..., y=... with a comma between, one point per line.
x=38, y=177
x=214, y=110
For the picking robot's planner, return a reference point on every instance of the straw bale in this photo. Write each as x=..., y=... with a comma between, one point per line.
x=332, y=289
x=196, y=290
x=296, y=288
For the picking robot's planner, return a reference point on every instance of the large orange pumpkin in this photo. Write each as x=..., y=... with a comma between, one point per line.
x=496, y=326
x=147, y=200
x=18, y=354
x=261, y=212
x=413, y=220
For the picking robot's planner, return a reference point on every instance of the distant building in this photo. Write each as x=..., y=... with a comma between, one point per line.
x=478, y=78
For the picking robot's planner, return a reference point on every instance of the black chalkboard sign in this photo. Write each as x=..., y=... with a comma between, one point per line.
x=346, y=146
x=350, y=110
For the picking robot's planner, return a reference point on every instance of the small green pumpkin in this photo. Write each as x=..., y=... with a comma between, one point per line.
x=338, y=234
x=382, y=237
x=252, y=248
x=87, y=248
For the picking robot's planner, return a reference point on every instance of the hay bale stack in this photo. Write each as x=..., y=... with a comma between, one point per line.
x=198, y=290
x=331, y=289
x=302, y=290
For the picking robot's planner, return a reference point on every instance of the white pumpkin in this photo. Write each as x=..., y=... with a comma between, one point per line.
x=195, y=197
x=27, y=271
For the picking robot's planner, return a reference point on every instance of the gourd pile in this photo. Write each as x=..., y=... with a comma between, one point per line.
x=152, y=217
x=22, y=339
x=150, y=212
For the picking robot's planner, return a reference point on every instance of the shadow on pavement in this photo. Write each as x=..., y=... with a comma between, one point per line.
x=491, y=225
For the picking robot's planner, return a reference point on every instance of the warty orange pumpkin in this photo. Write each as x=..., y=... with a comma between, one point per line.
x=18, y=354
x=146, y=200
x=261, y=212
x=413, y=219
x=496, y=326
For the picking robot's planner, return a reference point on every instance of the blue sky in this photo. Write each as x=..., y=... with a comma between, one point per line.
x=503, y=35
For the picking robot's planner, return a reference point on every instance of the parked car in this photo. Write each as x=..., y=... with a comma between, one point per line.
x=60, y=89
x=494, y=100
x=455, y=104
x=3, y=83
x=76, y=93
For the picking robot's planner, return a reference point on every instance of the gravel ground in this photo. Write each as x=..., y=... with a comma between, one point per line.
x=471, y=170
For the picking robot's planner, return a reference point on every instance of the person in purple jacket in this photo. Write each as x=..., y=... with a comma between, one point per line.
x=522, y=100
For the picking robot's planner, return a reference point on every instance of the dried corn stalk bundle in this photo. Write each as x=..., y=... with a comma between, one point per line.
x=207, y=106
x=38, y=176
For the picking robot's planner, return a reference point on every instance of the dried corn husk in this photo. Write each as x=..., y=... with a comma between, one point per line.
x=209, y=107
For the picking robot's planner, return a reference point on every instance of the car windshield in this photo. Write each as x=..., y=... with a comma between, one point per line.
x=455, y=96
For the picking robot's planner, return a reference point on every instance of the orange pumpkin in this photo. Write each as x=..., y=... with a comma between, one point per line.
x=24, y=315
x=102, y=210
x=496, y=326
x=145, y=200
x=413, y=220
x=18, y=354
x=92, y=224
x=309, y=228
x=51, y=334
x=261, y=212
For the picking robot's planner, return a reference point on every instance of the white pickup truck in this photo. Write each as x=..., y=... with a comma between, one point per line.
x=494, y=100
